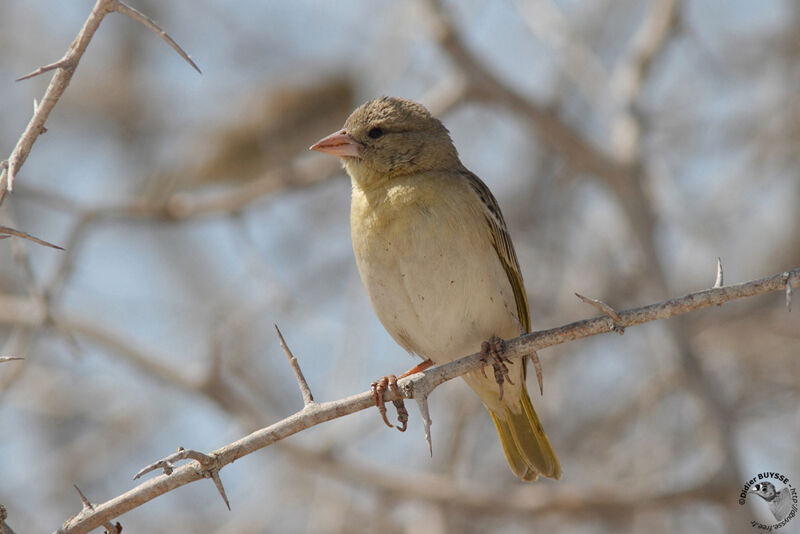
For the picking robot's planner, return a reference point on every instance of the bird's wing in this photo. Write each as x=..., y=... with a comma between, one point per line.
x=501, y=241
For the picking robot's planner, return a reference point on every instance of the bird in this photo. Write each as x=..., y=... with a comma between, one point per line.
x=438, y=264
x=779, y=502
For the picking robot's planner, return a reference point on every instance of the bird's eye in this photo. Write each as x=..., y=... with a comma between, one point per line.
x=375, y=133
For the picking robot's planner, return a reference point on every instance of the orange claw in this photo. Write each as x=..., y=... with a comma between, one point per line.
x=494, y=349
x=378, y=387
x=402, y=413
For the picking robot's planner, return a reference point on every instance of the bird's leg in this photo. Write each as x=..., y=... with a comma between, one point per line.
x=417, y=368
x=494, y=350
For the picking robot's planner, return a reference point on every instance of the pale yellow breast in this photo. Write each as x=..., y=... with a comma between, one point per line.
x=426, y=259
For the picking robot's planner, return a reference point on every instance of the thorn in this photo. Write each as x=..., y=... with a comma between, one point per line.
x=61, y=63
x=537, y=366
x=17, y=233
x=421, y=396
x=12, y=174
x=788, y=292
x=150, y=24
x=608, y=311
x=86, y=504
x=305, y=391
x=718, y=281
x=220, y=488
x=422, y=403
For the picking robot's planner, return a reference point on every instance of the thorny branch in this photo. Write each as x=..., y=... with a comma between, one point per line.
x=416, y=386
x=65, y=68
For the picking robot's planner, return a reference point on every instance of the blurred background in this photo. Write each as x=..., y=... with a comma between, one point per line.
x=630, y=143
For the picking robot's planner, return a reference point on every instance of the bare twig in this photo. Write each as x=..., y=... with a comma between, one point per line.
x=6, y=231
x=209, y=467
x=417, y=386
x=65, y=68
x=607, y=310
x=308, y=398
x=9, y=358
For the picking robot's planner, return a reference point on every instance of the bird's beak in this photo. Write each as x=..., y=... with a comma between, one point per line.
x=338, y=144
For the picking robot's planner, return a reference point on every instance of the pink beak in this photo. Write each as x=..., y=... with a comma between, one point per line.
x=338, y=144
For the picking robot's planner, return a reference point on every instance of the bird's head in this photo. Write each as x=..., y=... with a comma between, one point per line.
x=765, y=490
x=390, y=137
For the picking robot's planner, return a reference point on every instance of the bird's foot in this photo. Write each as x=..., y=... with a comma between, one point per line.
x=378, y=388
x=417, y=368
x=492, y=351
x=390, y=382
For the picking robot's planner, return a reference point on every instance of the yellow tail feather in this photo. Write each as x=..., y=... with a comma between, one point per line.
x=525, y=444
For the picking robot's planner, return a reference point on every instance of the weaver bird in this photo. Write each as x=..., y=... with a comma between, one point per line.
x=437, y=261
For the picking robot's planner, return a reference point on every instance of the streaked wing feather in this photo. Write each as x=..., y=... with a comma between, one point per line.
x=501, y=241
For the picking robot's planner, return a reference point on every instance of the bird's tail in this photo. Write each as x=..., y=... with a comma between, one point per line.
x=527, y=448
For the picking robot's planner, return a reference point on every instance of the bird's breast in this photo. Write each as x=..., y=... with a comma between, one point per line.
x=431, y=271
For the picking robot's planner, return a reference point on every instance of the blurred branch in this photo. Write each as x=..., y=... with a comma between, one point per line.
x=582, y=155
x=417, y=386
x=304, y=172
x=65, y=68
x=628, y=78
x=532, y=500
x=578, y=61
